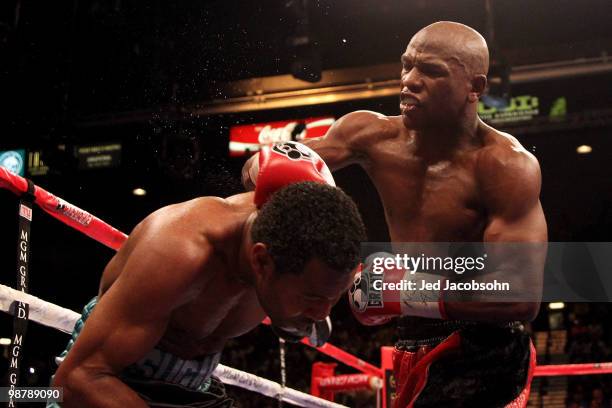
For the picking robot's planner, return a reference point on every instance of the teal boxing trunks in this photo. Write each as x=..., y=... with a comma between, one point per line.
x=162, y=379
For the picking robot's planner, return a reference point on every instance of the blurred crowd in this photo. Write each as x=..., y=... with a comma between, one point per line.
x=589, y=340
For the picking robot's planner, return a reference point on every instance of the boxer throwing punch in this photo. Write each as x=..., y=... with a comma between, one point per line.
x=443, y=175
x=195, y=274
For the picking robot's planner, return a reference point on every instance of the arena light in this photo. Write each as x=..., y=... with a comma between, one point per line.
x=584, y=149
x=556, y=305
x=5, y=342
x=139, y=192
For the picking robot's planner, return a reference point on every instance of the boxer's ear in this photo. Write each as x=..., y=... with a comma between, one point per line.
x=479, y=84
x=261, y=261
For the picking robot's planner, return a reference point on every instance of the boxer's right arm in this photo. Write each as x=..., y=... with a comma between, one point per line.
x=159, y=275
x=346, y=142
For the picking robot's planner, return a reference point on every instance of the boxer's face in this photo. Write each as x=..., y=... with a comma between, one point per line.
x=434, y=82
x=296, y=300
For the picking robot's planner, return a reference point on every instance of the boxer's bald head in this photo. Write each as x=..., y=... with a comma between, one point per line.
x=459, y=43
x=444, y=72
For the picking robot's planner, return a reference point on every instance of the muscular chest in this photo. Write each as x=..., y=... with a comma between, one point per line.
x=428, y=201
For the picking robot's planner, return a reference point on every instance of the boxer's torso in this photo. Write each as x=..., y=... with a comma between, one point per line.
x=428, y=201
x=439, y=200
x=223, y=307
x=220, y=313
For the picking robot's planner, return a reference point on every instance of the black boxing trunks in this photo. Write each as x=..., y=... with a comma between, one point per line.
x=462, y=364
x=162, y=379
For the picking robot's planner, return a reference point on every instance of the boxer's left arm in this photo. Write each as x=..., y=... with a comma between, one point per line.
x=510, y=181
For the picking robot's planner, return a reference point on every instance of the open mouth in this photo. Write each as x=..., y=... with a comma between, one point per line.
x=408, y=107
x=408, y=103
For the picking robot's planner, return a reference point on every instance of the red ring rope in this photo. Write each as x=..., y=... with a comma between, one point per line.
x=573, y=369
x=67, y=213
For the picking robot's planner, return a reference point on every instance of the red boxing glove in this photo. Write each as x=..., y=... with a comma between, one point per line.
x=370, y=303
x=382, y=290
x=286, y=163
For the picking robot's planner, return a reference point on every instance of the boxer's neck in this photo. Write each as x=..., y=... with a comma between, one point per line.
x=244, y=270
x=441, y=142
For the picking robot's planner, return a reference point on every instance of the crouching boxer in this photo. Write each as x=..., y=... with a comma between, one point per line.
x=195, y=274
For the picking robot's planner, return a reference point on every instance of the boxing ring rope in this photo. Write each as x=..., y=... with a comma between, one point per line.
x=347, y=358
x=555, y=370
x=42, y=312
x=67, y=213
x=63, y=319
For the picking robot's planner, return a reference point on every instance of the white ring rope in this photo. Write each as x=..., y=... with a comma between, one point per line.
x=272, y=389
x=41, y=312
x=63, y=319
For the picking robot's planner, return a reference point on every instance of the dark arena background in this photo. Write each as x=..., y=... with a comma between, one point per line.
x=100, y=98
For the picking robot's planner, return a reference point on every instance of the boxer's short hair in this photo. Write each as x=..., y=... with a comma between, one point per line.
x=309, y=220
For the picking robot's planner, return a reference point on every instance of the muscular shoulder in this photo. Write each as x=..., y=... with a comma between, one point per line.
x=366, y=126
x=181, y=215
x=507, y=172
x=184, y=230
x=503, y=155
x=365, y=118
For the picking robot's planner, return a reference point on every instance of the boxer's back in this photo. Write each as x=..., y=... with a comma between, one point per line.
x=231, y=307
